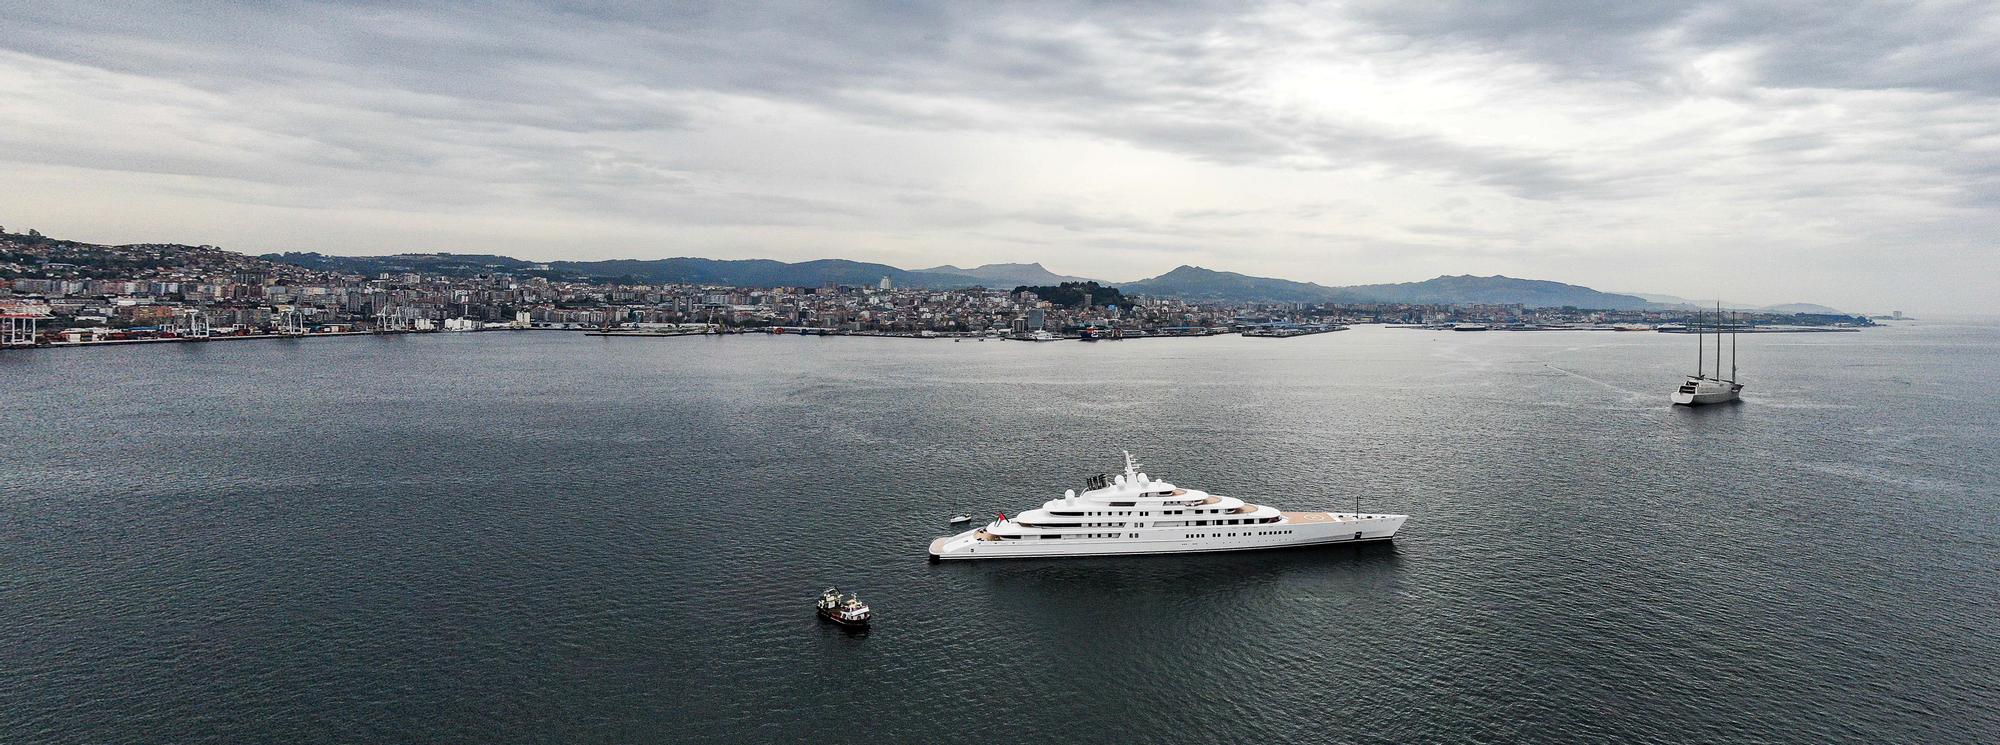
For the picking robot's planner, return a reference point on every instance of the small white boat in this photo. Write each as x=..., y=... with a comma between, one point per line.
x=961, y=518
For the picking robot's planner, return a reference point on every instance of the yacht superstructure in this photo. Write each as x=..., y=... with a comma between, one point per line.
x=1130, y=513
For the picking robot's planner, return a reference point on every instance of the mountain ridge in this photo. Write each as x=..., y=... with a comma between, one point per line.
x=1184, y=281
x=1193, y=282
x=1462, y=289
x=1031, y=274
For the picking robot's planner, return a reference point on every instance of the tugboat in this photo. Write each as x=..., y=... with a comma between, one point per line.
x=849, y=611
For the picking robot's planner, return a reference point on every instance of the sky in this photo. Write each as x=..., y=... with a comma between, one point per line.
x=1831, y=152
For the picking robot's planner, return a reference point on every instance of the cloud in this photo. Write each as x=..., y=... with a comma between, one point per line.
x=1353, y=142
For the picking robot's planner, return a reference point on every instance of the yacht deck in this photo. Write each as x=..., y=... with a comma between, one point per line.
x=1309, y=517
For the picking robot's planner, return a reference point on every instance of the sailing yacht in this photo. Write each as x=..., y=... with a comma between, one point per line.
x=1131, y=513
x=1701, y=389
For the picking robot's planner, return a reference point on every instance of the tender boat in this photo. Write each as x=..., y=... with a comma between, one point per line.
x=1131, y=513
x=1700, y=389
x=848, y=611
x=961, y=518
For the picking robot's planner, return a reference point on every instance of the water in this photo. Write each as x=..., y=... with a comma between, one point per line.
x=543, y=537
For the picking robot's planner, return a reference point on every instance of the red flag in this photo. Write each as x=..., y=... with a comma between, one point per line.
x=1002, y=516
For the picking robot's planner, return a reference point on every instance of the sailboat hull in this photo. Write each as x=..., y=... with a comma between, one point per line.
x=1706, y=397
x=1699, y=389
x=1702, y=399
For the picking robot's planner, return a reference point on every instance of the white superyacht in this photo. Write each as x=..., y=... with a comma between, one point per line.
x=1131, y=513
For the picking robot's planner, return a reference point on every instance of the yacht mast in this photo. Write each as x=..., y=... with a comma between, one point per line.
x=1732, y=352
x=1699, y=345
x=1718, y=339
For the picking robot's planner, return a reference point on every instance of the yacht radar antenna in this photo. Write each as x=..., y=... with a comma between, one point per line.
x=1131, y=468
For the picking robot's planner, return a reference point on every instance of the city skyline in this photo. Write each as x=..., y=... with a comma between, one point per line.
x=1761, y=153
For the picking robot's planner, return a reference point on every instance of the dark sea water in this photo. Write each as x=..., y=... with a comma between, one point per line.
x=545, y=537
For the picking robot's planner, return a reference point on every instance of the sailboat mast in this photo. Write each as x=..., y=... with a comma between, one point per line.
x=1732, y=351
x=1718, y=338
x=1700, y=345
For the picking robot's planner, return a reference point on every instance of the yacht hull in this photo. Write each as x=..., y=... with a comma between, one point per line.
x=1703, y=399
x=1319, y=529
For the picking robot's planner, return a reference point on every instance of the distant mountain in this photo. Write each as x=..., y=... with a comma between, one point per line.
x=455, y=265
x=1196, y=283
x=1681, y=303
x=1187, y=282
x=684, y=270
x=1009, y=275
x=1803, y=308
x=760, y=272
x=1494, y=290
x=1652, y=297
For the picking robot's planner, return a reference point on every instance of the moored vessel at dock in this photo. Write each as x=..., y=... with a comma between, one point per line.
x=1131, y=513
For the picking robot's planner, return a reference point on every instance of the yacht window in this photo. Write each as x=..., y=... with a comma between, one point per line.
x=1046, y=537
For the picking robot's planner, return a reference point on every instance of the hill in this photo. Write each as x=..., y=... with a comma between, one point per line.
x=455, y=265
x=1466, y=289
x=1809, y=308
x=1004, y=275
x=1077, y=294
x=759, y=272
x=1196, y=283
x=681, y=270
x=34, y=255
x=1671, y=302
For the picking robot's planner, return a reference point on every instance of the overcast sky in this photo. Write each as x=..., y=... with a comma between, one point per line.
x=1840, y=153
